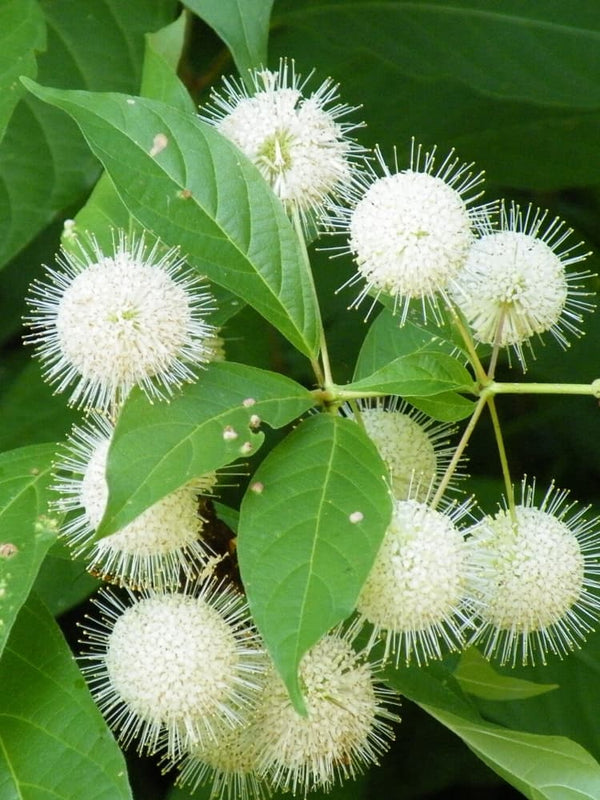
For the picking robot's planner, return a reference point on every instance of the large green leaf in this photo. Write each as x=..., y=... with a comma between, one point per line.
x=158, y=448
x=26, y=528
x=512, y=85
x=63, y=582
x=420, y=374
x=308, y=539
x=161, y=59
x=569, y=710
x=243, y=26
x=104, y=211
x=54, y=744
x=30, y=412
x=477, y=677
x=45, y=164
x=22, y=34
x=386, y=340
x=199, y=192
x=517, y=50
x=541, y=767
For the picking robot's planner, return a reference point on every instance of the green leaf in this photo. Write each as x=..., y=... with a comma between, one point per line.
x=420, y=374
x=243, y=26
x=307, y=541
x=568, y=711
x=159, y=71
x=445, y=406
x=541, y=767
x=63, y=582
x=22, y=34
x=199, y=192
x=540, y=53
x=386, y=340
x=45, y=164
x=473, y=75
x=158, y=448
x=26, y=528
x=476, y=676
x=550, y=767
x=30, y=412
x=104, y=211
x=54, y=743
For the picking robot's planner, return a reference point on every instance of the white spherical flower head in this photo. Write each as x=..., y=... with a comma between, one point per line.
x=297, y=142
x=410, y=231
x=104, y=323
x=414, y=448
x=414, y=596
x=171, y=669
x=228, y=763
x=344, y=730
x=158, y=547
x=514, y=283
x=534, y=579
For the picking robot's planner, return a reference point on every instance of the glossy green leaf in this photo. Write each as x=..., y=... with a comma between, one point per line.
x=386, y=340
x=26, y=528
x=45, y=164
x=104, y=211
x=418, y=374
x=472, y=75
x=307, y=541
x=53, y=740
x=159, y=447
x=200, y=193
x=477, y=677
x=445, y=406
x=30, y=412
x=517, y=50
x=570, y=710
x=22, y=35
x=541, y=767
x=161, y=59
x=63, y=582
x=243, y=26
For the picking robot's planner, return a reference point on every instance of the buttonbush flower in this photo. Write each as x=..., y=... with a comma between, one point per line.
x=514, y=282
x=158, y=547
x=415, y=594
x=413, y=446
x=346, y=728
x=537, y=578
x=170, y=669
x=229, y=763
x=410, y=231
x=296, y=140
x=105, y=322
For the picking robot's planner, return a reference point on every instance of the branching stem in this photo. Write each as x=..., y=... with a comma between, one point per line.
x=323, y=376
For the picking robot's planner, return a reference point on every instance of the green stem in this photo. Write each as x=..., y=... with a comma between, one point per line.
x=480, y=372
x=481, y=403
x=342, y=394
x=323, y=376
x=508, y=486
x=357, y=415
x=496, y=348
x=495, y=388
